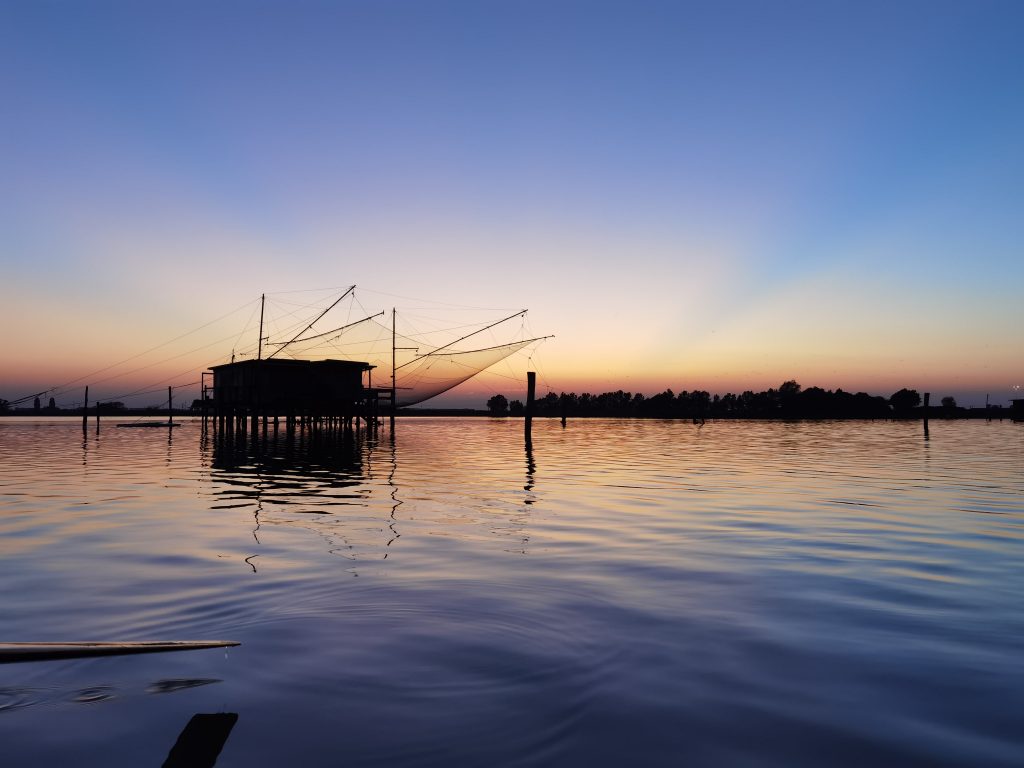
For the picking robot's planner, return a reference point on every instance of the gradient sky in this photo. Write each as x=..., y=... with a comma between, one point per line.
x=711, y=196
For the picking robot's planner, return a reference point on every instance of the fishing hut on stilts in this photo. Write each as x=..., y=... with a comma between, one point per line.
x=337, y=395
x=329, y=395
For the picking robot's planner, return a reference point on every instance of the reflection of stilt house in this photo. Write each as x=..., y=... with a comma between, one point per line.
x=329, y=391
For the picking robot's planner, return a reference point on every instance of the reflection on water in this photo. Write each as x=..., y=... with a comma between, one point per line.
x=619, y=592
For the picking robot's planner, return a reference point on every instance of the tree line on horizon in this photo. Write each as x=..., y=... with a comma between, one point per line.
x=788, y=401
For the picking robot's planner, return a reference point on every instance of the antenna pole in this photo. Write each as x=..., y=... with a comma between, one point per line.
x=336, y=302
x=394, y=388
x=259, y=346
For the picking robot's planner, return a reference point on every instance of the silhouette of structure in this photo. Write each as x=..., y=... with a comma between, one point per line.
x=309, y=390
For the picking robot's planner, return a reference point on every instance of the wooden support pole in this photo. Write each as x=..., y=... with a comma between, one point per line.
x=97, y=415
x=531, y=387
x=391, y=424
x=564, y=405
x=170, y=408
x=85, y=411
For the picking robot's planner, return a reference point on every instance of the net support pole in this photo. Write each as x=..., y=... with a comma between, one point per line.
x=85, y=411
x=531, y=387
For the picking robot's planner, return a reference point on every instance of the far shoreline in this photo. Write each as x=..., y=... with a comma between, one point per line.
x=936, y=413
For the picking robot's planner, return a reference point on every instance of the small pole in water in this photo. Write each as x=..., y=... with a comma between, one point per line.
x=170, y=413
x=85, y=411
x=565, y=406
x=97, y=417
x=531, y=386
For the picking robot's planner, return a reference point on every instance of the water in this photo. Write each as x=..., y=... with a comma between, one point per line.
x=628, y=593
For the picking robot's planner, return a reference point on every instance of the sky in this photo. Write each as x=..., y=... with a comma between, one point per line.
x=717, y=196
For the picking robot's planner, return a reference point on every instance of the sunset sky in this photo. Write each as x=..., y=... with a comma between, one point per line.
x=714, y=196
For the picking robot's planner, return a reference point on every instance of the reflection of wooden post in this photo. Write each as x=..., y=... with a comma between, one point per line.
x=531, y=386
x=85, y=411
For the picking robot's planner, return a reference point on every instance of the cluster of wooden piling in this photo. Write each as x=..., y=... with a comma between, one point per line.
x=364, y=413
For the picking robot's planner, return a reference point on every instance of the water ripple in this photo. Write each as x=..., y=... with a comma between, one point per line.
x=625, y=592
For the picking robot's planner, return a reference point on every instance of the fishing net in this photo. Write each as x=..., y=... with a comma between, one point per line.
x=431, y=375
x=428, y=361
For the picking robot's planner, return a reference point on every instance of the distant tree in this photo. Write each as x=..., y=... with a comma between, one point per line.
x=547, y=405
x=789, y=392
x=948, y=402
x=904, y=400
x=789, y=389
x=515, y=408
x=4, y=406
x=498, y=405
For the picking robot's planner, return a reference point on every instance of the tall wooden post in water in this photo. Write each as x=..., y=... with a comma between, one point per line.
x=170, y=412
x=85, y=411
x=531, y=387
x=394, y=388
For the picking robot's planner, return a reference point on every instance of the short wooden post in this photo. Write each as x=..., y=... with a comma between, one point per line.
x=97, y=415
x=85, y=411
x=170, y=410
x=927, y=397
x=531, y=388
x=565, y=406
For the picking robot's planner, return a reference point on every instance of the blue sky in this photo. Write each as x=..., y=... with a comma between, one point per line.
x=717, y=196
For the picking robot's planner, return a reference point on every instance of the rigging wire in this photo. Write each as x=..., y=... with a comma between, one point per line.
x=438, y=303
x=67, y=384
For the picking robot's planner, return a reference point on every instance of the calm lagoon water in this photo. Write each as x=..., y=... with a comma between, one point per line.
x=628, y=593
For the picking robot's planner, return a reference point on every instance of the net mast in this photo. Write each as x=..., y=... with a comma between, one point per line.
x=296, y=336
x=259, y=345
